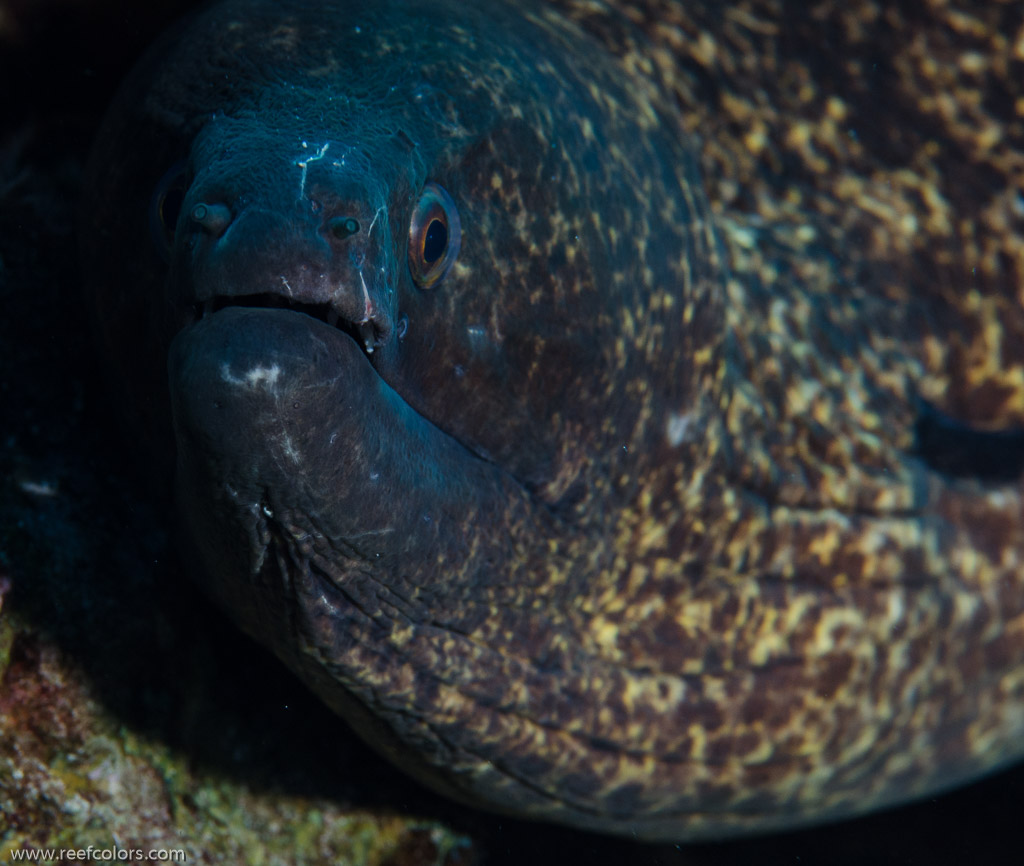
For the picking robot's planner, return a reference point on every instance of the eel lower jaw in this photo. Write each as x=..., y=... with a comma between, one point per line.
x=285, y=430
x=374, y=336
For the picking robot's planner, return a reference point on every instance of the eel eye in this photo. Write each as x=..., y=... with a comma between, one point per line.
x=435, y=236
x=168, y=198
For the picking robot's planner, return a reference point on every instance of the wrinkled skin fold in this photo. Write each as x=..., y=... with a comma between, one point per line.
x=654, y=515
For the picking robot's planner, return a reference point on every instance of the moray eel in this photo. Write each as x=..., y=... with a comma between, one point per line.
x=613, y=412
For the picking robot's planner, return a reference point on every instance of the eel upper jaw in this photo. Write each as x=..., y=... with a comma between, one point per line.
x=369, y=333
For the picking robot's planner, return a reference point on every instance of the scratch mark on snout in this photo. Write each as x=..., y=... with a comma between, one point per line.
x=369, y=231
x=304, y=165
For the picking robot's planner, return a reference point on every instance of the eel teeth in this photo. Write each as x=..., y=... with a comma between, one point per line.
x=368, y=335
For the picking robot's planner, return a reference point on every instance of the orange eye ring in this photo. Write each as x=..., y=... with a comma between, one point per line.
x=435, y=236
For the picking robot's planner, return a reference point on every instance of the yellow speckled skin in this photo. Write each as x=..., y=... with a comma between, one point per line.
x=622, y=525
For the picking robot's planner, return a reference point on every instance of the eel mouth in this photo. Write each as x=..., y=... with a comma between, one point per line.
x=368, y=334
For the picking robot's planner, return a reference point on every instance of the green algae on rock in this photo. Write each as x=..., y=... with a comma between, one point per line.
x=576, y=396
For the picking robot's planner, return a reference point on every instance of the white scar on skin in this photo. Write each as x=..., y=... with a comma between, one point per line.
x=675, y=429
x=289, y=448
x=304, y=165
x=253, y=378
x=369, y=231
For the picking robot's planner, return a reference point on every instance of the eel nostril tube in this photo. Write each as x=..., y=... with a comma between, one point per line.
x=212, y=218
x=343, y=227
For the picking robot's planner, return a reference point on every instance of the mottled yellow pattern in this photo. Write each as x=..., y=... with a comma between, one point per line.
x=724, y=594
